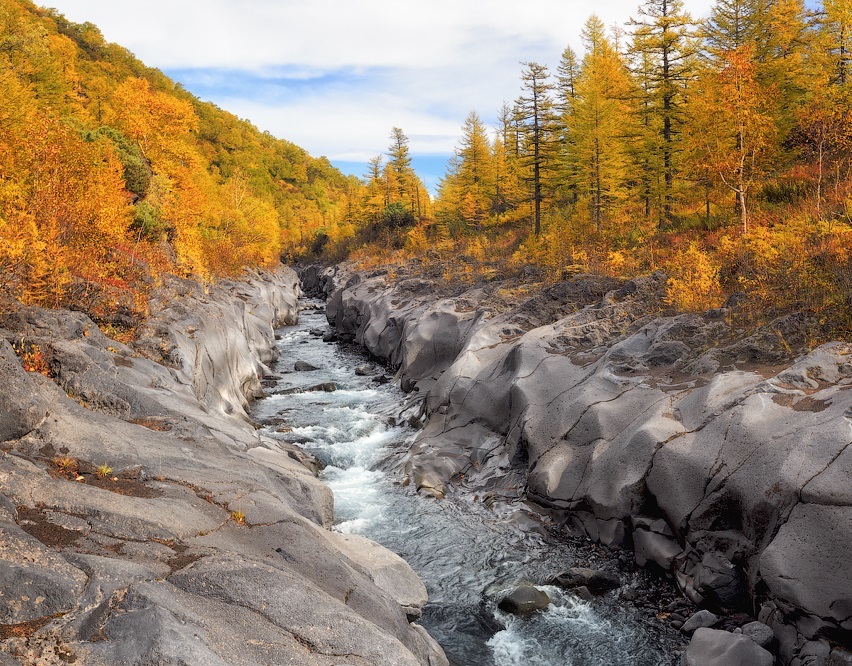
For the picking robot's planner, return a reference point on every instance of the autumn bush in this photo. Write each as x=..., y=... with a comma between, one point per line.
x=693, y=283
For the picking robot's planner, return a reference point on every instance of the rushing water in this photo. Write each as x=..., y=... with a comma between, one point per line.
x=467, y=555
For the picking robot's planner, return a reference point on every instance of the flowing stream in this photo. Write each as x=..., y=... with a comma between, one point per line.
x=466, y=554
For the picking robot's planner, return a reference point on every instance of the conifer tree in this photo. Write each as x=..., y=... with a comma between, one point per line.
x=837, y=29
x=535, y=113
x=402, y=183
x=664, y=46
x=375, y=197
x=566, y=80
x=736, y=23
x=601, y=126
x=475, y=175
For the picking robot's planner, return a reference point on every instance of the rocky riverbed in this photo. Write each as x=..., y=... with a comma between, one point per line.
x=145, y=520
x=719, y=458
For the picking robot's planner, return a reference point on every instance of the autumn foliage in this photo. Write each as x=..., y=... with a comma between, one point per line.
x=719, y=151
x=111, y=174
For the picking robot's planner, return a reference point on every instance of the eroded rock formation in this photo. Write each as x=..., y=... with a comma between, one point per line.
x=143, y=518
x=720, y=457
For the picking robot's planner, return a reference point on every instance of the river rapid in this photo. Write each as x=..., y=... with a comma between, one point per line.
x=468, y=555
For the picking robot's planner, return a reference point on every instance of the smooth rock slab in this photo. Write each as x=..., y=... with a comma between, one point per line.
x=808, y=562
x=21, y=408
x=711, y=647
x=35, y=581
x=387, y=570
x=299, y=608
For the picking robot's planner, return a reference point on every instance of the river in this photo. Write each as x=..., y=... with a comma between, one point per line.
x=466, y=554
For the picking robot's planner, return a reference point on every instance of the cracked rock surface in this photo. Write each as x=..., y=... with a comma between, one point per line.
x=717, y=456
x=144, y=520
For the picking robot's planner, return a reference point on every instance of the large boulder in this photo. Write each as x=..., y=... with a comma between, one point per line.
x=524, y=599
x=712, y=647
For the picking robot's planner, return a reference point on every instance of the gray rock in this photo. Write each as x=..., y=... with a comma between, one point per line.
x=153, y=569
x=302, y=612
x=583, y=593
x=760, y=634
x=387, y=570
x=35, y=580
x=653, y=547
x=703, y=618
x=839, y=657
x=364, y=370
x=325, y=387
x=304, y=366
x=808, y=564
x=717, y=578
x=815, y=651
x=21, y=407
x=596, y=581
x=711, y=647
x=524, y=599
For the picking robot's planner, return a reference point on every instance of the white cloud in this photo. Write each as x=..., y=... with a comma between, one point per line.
x=334, y=76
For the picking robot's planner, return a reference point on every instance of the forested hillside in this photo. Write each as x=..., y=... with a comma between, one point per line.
x=110, y=173
x=718, y=150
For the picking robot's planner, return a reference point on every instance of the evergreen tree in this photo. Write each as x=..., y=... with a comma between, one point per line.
x=664, y=46
x=535, y=113
x=468, y=191
x=476, y=170
x=736, y=23
x=566, y=80
x=399, y=168
x=836, y=26
x=375, y=196
x=602, y=124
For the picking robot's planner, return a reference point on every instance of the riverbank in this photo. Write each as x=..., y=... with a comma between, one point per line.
x=146, y=520
x=718, y=457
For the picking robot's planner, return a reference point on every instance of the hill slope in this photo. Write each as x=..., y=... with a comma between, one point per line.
x=112, y=173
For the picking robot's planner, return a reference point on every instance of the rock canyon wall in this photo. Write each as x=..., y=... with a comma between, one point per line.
x=717, y=456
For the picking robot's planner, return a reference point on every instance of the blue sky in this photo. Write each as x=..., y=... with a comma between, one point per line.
x=334, y=76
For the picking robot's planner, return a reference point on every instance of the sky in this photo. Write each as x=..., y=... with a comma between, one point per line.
x=335, y=76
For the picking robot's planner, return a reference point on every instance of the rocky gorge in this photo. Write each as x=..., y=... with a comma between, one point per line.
x=718, y=456
x=144, y=518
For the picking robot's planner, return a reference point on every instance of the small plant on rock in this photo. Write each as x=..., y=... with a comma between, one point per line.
x=32, y=357
x=238, y=517
x=103, y=471
x=66, y=465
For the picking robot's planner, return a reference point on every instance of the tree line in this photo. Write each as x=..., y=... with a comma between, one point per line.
x=672, y=120
x=717, y=149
